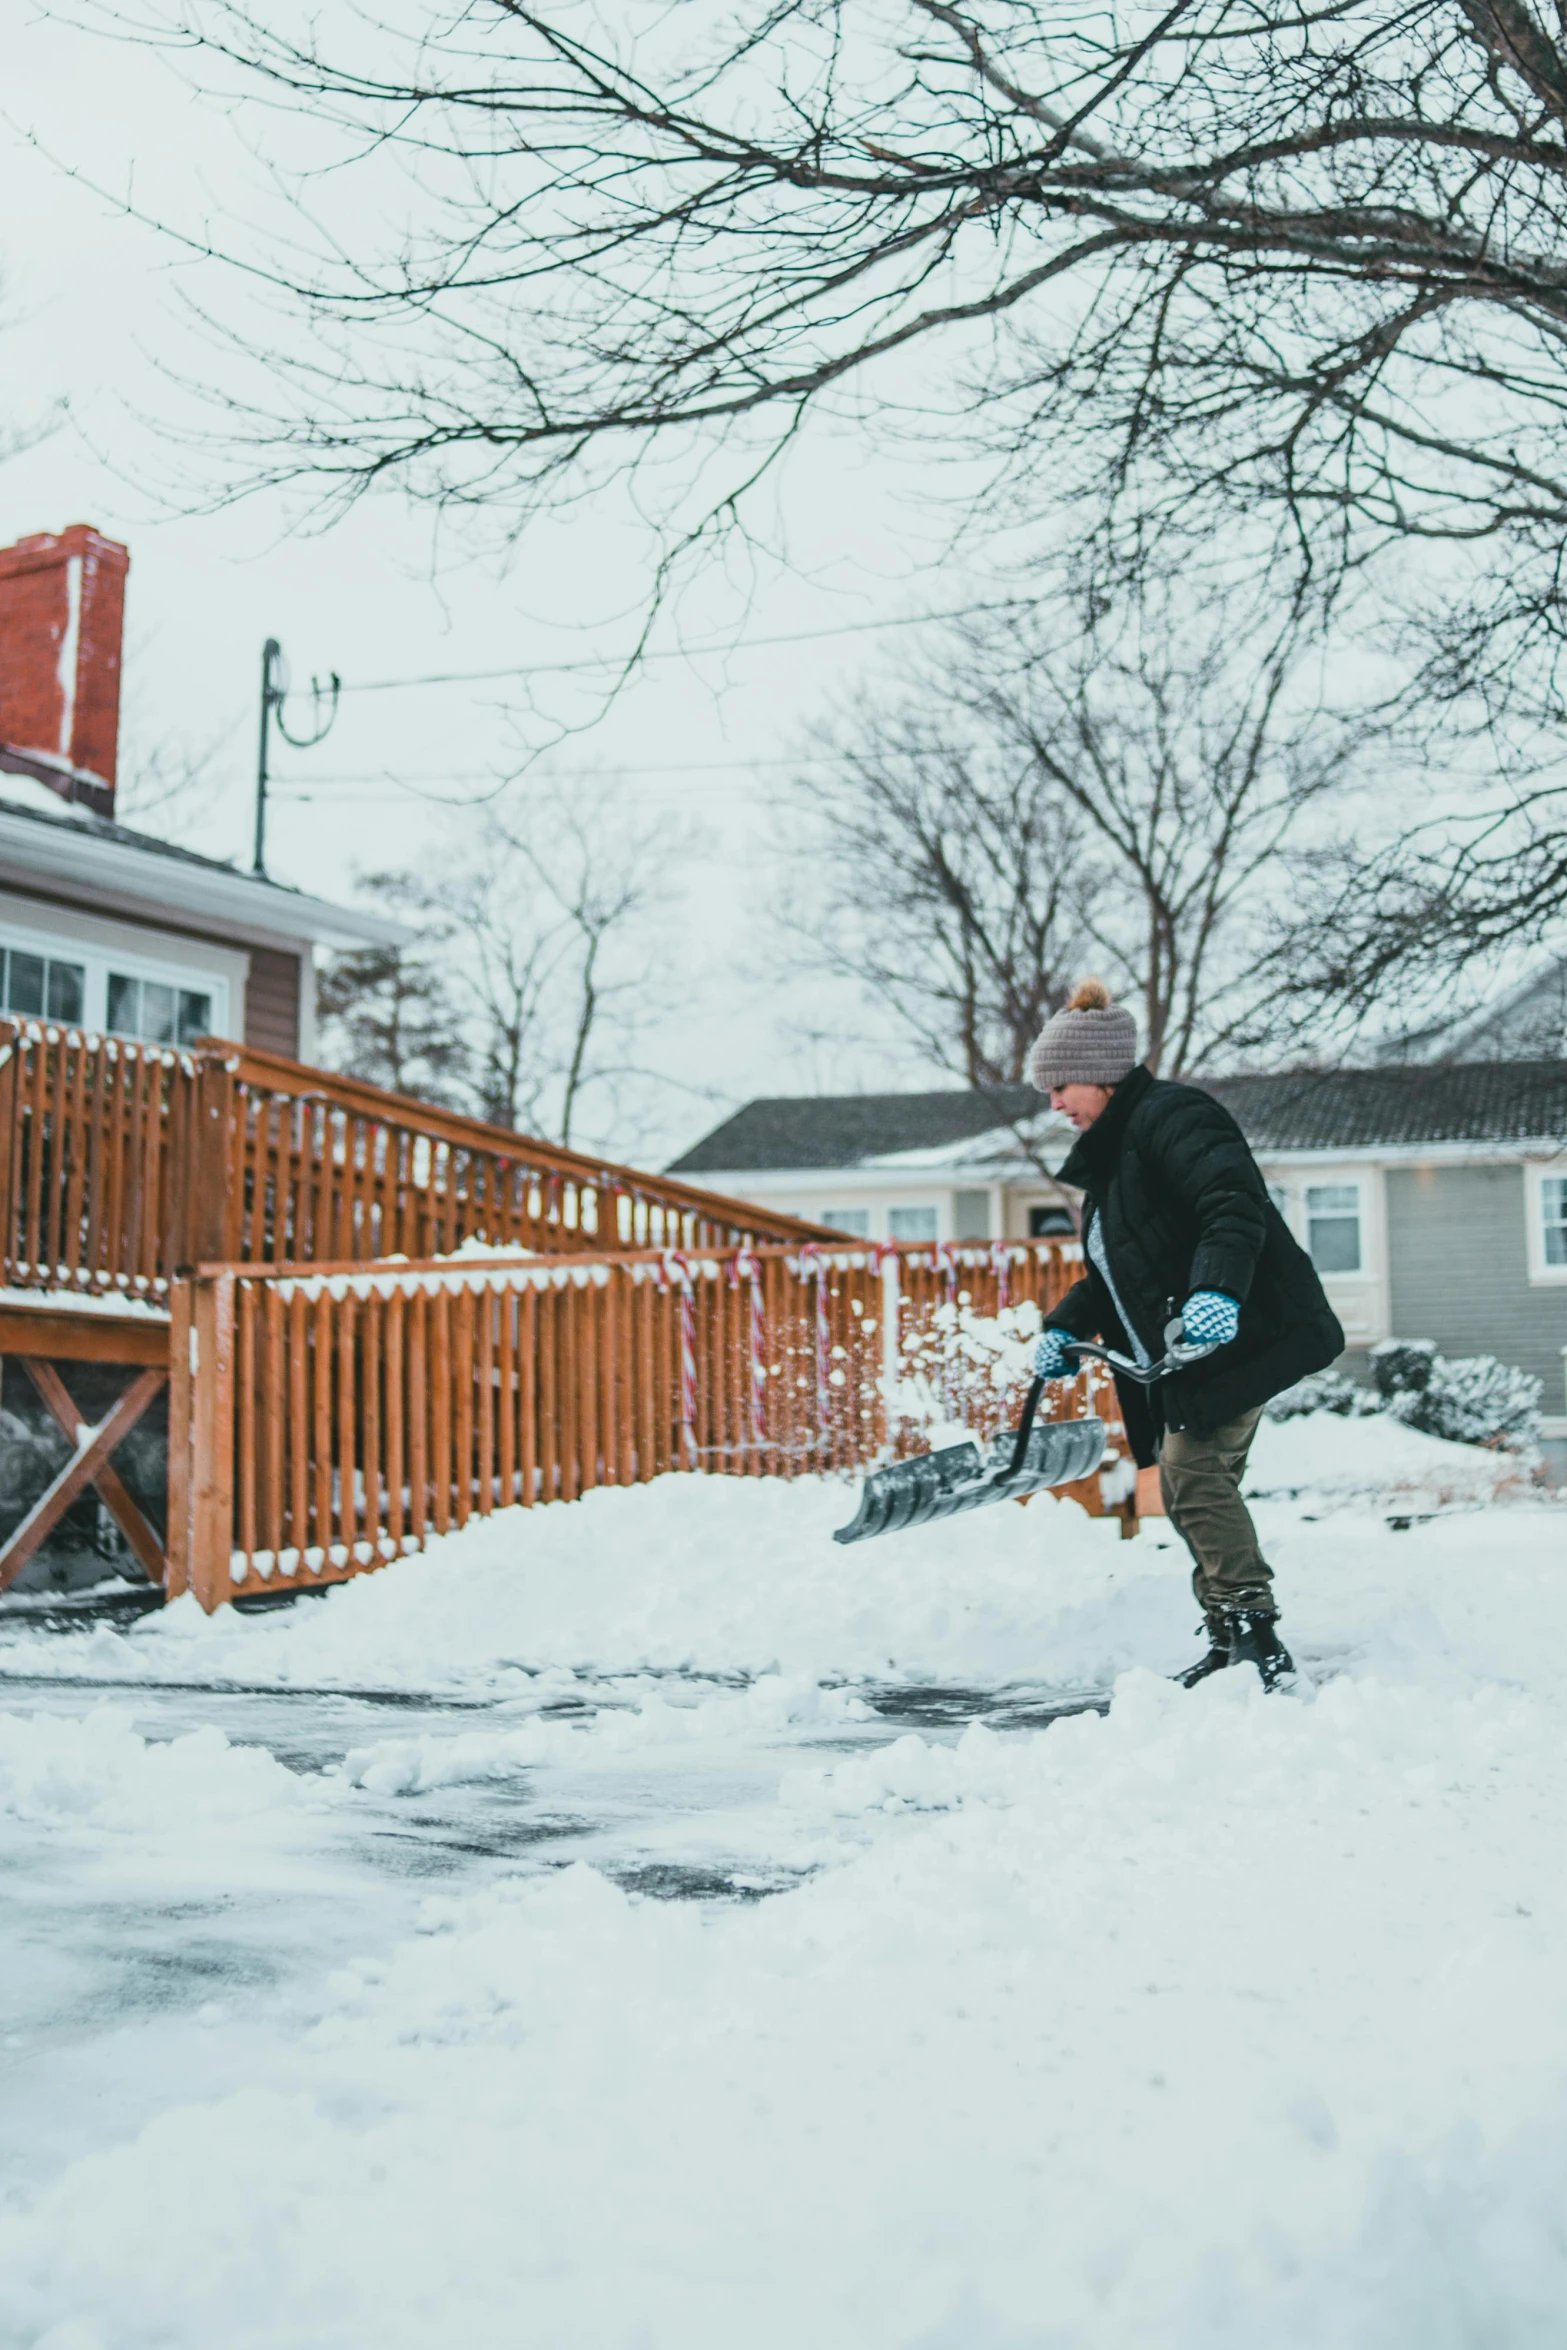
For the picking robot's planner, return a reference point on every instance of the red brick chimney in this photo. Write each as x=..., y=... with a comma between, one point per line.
x=62, y=612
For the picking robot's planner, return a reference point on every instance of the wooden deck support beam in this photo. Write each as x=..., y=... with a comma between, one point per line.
x=111, y=1489
x=83, y=1469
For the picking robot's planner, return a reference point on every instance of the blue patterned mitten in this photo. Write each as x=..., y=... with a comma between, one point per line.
x=1051, y=1359
x=1209, y=1318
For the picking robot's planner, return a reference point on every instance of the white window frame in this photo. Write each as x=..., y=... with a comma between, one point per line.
x=98, y=958
x=1337, y=1182
x=860, y=1229
x=1542, y=1274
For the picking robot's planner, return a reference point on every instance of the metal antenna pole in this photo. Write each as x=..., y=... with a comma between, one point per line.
x=274, y=693
x=271, y=654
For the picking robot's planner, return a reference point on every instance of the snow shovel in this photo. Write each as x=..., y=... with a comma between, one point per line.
x=945, y=1484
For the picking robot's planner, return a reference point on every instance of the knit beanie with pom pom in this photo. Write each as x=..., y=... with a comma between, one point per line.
x=1092, y=1042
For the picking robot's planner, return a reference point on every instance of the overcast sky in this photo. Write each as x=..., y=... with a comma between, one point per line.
x=96, y=315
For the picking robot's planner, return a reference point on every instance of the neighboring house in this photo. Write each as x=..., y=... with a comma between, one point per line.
x=100, y=926
x=898, y=1166
x=1433, y=1199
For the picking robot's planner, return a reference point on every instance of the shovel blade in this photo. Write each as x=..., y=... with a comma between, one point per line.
x=947, y=1484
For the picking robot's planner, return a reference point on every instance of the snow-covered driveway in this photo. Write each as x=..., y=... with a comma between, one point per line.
x=625, y=1973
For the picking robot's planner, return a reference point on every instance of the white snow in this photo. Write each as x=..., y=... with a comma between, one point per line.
x=1328, y=1454
x=1223, y=2022
x=98, y=1772
x=66, y=1300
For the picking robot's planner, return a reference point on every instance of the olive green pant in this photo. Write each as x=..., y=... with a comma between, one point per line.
x=1200, y=1478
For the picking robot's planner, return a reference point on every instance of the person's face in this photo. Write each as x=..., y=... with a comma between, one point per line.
x=1082, y=1104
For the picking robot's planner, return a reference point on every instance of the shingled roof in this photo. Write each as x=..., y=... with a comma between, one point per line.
x=1361, y=1109
x=844, y=1129
x=1301, y=1109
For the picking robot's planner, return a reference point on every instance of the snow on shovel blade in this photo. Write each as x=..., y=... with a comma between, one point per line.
x=945, y=1484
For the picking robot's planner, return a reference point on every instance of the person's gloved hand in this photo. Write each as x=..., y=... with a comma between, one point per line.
x=1051, y=1359
x=1209, y=1318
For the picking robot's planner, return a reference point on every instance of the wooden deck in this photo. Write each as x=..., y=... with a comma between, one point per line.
x=341, y=1390
x=122, y=1164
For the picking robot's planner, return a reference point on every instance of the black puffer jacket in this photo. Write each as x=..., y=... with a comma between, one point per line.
x=1183, y=1206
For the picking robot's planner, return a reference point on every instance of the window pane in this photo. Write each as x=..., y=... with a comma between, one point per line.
x=67, y=987
x=1334, y=1242
x=157, y=1012
x=27, y=983
x=912, y=1223
x=195, y=1014
x=971, y=1215
x=1553, y=1208
x=856, y=1221
x=1051, y=1224
x=124, y=1004
x=26, y=977
x=1333, y=1199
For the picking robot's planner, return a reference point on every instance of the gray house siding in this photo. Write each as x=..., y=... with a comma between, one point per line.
x=1458, y=1270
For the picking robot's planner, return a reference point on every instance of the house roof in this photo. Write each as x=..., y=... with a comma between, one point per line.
x=99, y=863
x=847, y=1129
x=1307, y=1109
x=1430, y=1102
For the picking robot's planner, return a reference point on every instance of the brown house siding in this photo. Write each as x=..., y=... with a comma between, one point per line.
x=272, y=1001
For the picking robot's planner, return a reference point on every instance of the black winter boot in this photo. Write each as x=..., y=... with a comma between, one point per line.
x=1218, y=1629
x=1254, y=1640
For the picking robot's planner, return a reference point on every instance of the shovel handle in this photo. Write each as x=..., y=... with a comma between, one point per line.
x=1025, y=1430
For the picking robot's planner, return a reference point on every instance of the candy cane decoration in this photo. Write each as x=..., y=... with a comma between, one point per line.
x=748, y=1268
x=1001, y=1265
x=887, y=1262
x=815, y=1260
x=678, y=1269
x=947, y=1256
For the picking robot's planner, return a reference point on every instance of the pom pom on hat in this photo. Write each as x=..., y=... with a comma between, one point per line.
x=1092, y=1042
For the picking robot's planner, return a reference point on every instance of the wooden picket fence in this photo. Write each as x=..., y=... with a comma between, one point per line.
x=323, y=1423
x=123, y=1163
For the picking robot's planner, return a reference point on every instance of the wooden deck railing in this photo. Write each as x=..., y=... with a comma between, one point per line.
x=323, y=1423
x=120, y=1163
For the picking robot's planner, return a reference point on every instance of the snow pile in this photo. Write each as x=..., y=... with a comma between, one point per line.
x=1220, y=2022
x=739, y=1576
x=908, y=1775
x=773, y=1704
x=1376, y=1459
x=719, y=1574
x=96, y=1771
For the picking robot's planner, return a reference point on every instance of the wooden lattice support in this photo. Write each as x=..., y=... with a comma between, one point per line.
x=87, y=1466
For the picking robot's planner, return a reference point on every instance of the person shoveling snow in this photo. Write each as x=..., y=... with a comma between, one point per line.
x=1177, y=1221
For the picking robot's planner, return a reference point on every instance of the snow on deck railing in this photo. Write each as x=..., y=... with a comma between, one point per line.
x=323, y=1422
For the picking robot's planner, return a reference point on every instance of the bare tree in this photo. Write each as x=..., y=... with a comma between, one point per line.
x=549, y=929
x=1222, y=257
x=1131, y=789
x=1300, y=275
x=936, y=875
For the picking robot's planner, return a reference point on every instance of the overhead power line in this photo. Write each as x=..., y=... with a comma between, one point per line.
x=606, y=661
x=580, y=774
